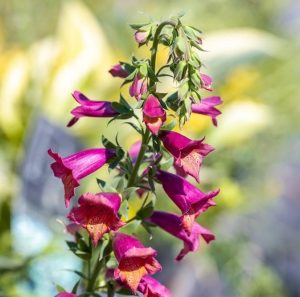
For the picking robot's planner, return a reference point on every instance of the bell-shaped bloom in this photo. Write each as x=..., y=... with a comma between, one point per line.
x=118, y=71
x=172, y=224
x=141, y=36
x=207, y=107
x=98, y=214
x=138, y=87
x=65, y=294
x=90, y=108
x=190, y=200
x=135, y=260
x=188, y=154
x=206, y=82
x=153, y=114
x=150, y=287
x=73, y=168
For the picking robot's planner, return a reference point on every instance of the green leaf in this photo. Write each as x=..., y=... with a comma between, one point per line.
x=60, y=289
x=180, y=44
x=138, y=26
x=79, y=273
x=120, y=108
x=169, y=126
x=104, y=186
x=129, y=192
x=124, y=209
x=179, y=70
x=146, y=211
x=166, y=164
x=112, y=263
x=135, y=127
x=107, y=143
x=144, y=70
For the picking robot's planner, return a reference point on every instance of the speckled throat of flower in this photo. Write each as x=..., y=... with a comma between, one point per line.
x=114, y=261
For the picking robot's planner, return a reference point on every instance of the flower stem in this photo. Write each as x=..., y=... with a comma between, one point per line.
x=92, y=281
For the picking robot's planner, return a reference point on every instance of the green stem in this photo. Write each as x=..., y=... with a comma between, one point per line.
x=155, y=44
x=145, y=139
x=92, y=281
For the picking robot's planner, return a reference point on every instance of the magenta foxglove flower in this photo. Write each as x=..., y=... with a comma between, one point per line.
x=206, y=82
x=118, y=71
x=98, y=214
x=188, y=154
x=141, y=37
x=150, y=287
x=65, y=294
x=90, y=108
x=172, y=224
x=207, y=107
x=135, y=260
x=73, y=168
x=153, y=114
x=138, y=87
x=190, y=200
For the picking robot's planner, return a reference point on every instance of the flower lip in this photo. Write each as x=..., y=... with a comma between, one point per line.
x=77, y=166
x=150, y=287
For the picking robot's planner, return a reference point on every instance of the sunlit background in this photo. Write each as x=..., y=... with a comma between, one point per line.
x=50, y=48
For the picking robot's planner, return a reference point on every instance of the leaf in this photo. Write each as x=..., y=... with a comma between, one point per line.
x=146, y=211
x=104, y=186
x=107, y=143
x=180, y=44
x=112, y=262
x=59, y=288
x=135, y=127
x=138, y=26
x=147, y=228
x=79, y=273
x=144, y=70
x=166, y=164
x=123, y=210
x=128, y=192
x=120, y=108
x=124, y=291
x=169, y=126
x=74, y=290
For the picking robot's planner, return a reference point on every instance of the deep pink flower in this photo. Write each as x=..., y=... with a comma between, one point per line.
x=172, y=224
x=153, y=114
x=207, y=107
x=135, y=260
x=98, y=214
x=150, y=287
x=188, y=154
x=141, y=37
x=90, y=108
x=65, y=294
x=118, y=71
x=206, y=82
x=73, y=168
x=138, y=87
x=190, y=200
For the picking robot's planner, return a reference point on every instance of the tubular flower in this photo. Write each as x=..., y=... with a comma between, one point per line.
x=172, y=224
x=135, y=260
x=150, y=287
x=90, y=108
x=98, y=214
x=73, y=168
x=65, y=294
x=134, y=150
x=206, y=82
x=138, y=87
x=188, y=154
x=207, y=107
x=118, y=71
x=153, y=114
x=190, y=200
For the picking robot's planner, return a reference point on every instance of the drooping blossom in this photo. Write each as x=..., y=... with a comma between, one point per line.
x=188, y=154
x=90, y=108
x=65, y=294
x=153, y=114
x=150, y=287
x=138, y=87
x=73, y=168
x=135, y=260
x=118, y=71
x=97, y=213
x=141, y=36
x=172, y=224
x=207, y=107
x=206, y=82
x=190, y=200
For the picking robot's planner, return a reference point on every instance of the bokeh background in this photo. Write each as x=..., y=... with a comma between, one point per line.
x=50, y=48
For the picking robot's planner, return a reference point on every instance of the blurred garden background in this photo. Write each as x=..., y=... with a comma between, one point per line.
x=50, y=48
